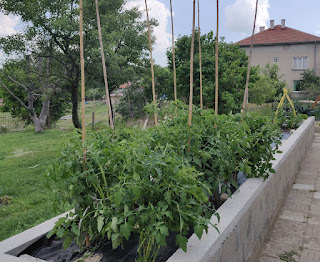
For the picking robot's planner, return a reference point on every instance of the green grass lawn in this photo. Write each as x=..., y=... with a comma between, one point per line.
x=24, y=158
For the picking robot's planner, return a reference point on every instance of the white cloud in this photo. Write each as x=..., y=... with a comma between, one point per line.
x=240, y=15
x=158, y=11
x=8, y=24
x=7, y=27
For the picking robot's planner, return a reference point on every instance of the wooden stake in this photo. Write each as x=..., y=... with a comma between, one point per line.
x=93, y=111
x=246, y=90
x=151, y=61
x=173, y=58
x=83, y=104
x=216, y=67
x=191, y=65
x=200, y=63
x=104, y=68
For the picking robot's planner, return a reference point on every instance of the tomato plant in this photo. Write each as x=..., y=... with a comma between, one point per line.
x=159, y=180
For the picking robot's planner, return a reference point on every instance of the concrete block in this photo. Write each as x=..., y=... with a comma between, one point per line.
x=303, y=187
x=294, y=216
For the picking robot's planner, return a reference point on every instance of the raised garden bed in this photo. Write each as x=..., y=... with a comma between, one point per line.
x=234, y=212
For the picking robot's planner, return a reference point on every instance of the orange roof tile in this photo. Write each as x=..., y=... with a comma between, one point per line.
x=278, y=36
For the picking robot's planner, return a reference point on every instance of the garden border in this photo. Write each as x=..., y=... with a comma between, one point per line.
x=244, y=219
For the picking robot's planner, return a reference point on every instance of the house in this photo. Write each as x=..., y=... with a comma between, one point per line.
x=292, y=50
x=118, y=93
x=1, y=102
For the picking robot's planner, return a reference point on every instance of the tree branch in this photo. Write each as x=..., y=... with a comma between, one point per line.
x=14, y=96
x=16, y=82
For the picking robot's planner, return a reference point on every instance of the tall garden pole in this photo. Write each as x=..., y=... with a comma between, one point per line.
x=83, y=104
x=173, y=57
x=151, y=61
x=200, y=62
x=246, y=91
x=191, y=64
x=104, y=68
x=83, y=111
x=216, y=67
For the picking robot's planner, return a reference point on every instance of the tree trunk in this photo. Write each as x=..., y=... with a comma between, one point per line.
x=40, y=122
x=37, y=125
x=74, y=101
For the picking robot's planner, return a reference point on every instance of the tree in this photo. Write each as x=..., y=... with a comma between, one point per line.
x=132, y=103
x=310, y=83
x=268, y=87
x=28, y=83
x=233, y=63
x=123, y=32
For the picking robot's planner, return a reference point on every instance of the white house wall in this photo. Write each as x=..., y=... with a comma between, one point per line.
x=261, y=55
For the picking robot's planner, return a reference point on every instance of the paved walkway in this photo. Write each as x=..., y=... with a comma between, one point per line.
x=295, y=236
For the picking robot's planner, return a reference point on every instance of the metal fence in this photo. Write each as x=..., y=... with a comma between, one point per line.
x=10, y=124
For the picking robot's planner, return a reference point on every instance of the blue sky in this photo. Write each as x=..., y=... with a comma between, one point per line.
x=236, y=18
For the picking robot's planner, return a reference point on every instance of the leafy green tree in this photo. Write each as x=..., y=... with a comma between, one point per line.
x=233, y=63
x=132, y=103
x=310, y=83
x=268, y=87
x=56, y=22
x=163, y=83
x=30, y=93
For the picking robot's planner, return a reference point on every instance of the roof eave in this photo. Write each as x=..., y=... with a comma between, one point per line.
x=285, y=43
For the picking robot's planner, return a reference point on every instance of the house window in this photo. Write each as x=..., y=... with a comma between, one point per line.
x=300, y=63
x=296, y=85
x=275, y=60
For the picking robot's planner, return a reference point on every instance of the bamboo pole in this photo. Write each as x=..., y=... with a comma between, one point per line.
x=173, y=57
x=83, y=104
x=246, y=90
x=82, y=78
x=104, y=68
x=200, y=61
x=191, y=65
x=216, y=67
x=93, y=111
x=151, y=61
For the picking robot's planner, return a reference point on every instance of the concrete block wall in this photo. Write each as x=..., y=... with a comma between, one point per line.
x=247, y=216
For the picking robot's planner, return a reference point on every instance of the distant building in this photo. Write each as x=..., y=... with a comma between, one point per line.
x=292, y=50
x=1, y=101
x=116, y=94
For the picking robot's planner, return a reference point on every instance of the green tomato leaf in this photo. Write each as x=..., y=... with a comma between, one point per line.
x=164, y=230
x=125, y=230
x=182, y=242
x=67, y=241
x=100, y=223
x=60, y=232
x=116, y=240
x=198, y=230
x=114, y=226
